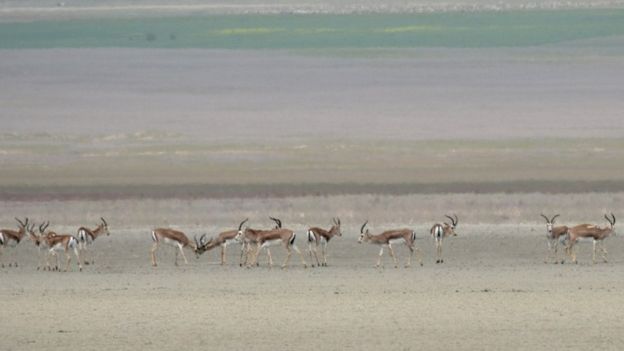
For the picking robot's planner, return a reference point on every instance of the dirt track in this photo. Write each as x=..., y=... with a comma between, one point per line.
x=494, y=292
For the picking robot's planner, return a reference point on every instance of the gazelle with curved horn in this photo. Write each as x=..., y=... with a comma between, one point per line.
x=59, y=242
x=249, y=239
x=389, y=238
x=40, y=243
x=224, y=240
x=554, y=235
x=86, y=237
x=439, y=231
x=9, y=238
x=318, y=236
x=267, y=238
x=176, y=239
x=593, y=233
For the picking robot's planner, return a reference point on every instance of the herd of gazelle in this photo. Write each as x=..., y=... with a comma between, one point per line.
x=570, y=236
x=50, y=243
x=253, y=241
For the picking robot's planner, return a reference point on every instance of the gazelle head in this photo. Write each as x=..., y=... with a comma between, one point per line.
x=201, y=245
x=549, y=222
x=336, y=226
x=364, y=235
x=36, y=239
x=450, y=228
x=104, y=226
x=241, y=232
x=611, y=223
x=278, y=223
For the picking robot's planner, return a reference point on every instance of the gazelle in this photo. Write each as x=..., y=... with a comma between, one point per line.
x=60, y=242
x=593, y=233
x=176, y=239
x=86, y=237
x=439, y=231
x=554, y=235
x=249, y=239
x=266, y=238
x=318, y=236
x=223, y=240
x=40, y=243
x=387, y=239
x=9, y=238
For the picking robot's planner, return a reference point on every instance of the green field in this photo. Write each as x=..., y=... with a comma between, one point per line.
x=455, y=30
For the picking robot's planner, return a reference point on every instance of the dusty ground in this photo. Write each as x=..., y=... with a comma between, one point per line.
x=493, y=292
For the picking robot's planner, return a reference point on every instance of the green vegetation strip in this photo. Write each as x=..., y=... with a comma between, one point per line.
x=289, y=31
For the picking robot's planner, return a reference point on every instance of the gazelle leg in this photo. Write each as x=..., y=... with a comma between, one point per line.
x=183, y=255
x=379, y=258
x=176, y=257
x=242, y=253
x=77, y=253
x=254, y=255
x=409, y=258
x=305, y=265
x=56, y=259
x=68, y=260
x=288, y=254
x=223, y=254
x=594, y=251
x=324, y=248
x=270, y=257
x=310, y=249
x=396, y=265
x=153, y=251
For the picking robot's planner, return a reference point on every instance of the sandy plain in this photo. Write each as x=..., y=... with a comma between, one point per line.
x=493, y=291
x=501, y=116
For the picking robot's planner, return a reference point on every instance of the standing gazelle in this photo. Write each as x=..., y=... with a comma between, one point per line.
x=176, y=239
x=593, y=233
x=10, y=238
x=86, y=237
x=59, y=242
x=554, y=235
x=318, y=236
x=223, y=240
x=439, y=231
x=387, y=239
x=267, y=238
x=40, y=243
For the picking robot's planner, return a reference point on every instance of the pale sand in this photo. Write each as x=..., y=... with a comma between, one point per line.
x=493, y=292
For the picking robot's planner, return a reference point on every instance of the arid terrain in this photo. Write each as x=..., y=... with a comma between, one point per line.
x=199, y=114
x=493, y=291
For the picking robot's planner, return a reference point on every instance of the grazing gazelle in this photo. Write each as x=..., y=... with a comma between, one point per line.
x=390, y=237
x=60, y=242
x=10, y=238
x=593, y=233
x=176, y=239
x=223, y=240
x=86, y=237
x=318, y=236
x=266, y=238
x=439, y=231
x=554, y=235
